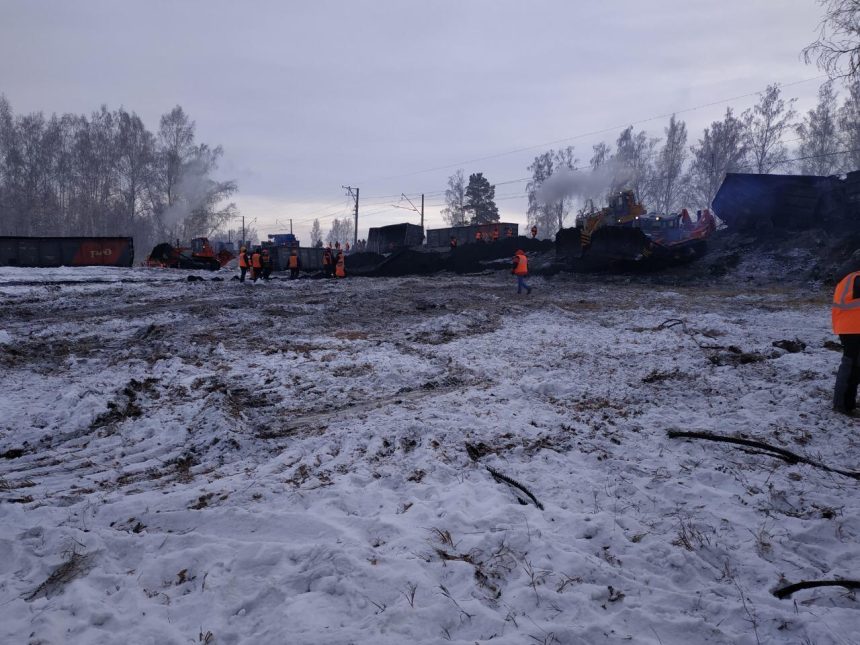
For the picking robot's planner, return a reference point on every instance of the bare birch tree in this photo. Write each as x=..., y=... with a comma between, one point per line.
x=837, y=48
x=722, y=149
x=766, y=124
x=670, y=167
x=820, y=148
x=454, y=212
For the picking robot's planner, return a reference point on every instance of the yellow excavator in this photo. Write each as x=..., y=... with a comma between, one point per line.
x=625, y=234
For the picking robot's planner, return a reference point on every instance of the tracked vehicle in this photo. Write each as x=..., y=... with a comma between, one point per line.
x=624, y=236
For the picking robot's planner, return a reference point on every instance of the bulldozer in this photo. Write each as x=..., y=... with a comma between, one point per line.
x=199, y=255
x=624, y=235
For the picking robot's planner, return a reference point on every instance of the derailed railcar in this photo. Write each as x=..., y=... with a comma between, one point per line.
x=66, y=251
x=751, y=203
x=387, y=239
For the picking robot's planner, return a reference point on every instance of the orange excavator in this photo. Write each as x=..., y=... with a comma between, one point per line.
x=199, y=255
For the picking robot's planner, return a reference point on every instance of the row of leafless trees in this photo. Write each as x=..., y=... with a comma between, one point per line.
x=106, y=174
x=667, y=174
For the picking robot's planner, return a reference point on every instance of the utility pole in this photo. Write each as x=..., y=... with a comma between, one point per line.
x=242, y=243
x=422, y=213
x=291, y=226
x=355, y=197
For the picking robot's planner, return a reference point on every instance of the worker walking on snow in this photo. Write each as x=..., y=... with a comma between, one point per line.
x=520, y=269
x=294, y=264
x=256, y=265
x=340, y=266
x=846, y=322
x=243, y=263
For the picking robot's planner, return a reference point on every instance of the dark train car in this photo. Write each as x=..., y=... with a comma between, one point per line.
x=748, y=202
x=441, y=237
x=66, y=251
x=386, y=239
x=310, y=259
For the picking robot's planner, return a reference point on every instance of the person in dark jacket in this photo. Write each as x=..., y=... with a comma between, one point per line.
x=328, y=262
x=845, y=315
x=266, y=261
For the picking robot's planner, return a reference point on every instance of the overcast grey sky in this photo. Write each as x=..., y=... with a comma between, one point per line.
x=307, y=96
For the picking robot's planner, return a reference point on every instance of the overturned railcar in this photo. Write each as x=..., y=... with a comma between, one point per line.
x=387, y=239
x=66, y=251
x=747, y=202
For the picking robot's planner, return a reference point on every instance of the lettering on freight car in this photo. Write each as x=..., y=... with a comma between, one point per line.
x=96, y=254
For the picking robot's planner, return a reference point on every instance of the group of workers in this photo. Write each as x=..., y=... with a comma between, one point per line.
x=259, y=263
x=334, y=263
x=493, y=236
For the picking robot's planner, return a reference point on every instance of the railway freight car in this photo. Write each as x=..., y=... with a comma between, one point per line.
x=66, y=251
x=387, y=239
x=439, y=238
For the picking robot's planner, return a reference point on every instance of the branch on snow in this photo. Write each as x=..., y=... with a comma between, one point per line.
x=785, y=592
x=512, y=482
x=773, y=451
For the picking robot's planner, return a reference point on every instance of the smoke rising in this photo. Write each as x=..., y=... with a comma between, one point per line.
x=583, y=184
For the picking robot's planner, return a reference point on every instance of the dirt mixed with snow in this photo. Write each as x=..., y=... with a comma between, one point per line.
x=309, y=462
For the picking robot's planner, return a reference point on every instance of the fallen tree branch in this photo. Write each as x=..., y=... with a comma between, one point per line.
x=785, y=592
x=512, y=482
x=773, y=451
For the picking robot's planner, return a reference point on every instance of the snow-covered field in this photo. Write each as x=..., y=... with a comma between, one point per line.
x=305, y=462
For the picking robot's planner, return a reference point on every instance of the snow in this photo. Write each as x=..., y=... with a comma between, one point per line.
x=288, y=462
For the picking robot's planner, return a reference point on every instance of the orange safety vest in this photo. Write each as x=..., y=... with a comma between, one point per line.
x=340, y=269
x=846, y=310
x=255, y=261
x=294, y=261
x=243, y=260
x=522, y=264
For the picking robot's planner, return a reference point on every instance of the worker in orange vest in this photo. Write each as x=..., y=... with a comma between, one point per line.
x=479, y=237
x=340, y=266
x=328, y=262
x=520, y=269
x=534, y=232
x=846, y=322
x=294, y=264
x=243, y=263
x=256, y=265
x=496, y=234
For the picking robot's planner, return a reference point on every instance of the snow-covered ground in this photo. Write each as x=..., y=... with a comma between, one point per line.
x=305, y=462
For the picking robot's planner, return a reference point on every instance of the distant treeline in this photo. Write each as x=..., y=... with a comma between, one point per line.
x=106, y=174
